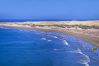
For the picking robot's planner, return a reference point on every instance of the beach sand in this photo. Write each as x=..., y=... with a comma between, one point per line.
x=89, y=35
x=93, y=39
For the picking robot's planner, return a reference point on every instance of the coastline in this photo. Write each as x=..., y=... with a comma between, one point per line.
x=91, y=39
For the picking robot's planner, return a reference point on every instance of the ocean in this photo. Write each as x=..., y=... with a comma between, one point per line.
x=28, y=47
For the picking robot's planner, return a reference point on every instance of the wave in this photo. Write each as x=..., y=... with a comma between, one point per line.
x=55, y=37
x=43, y=38
x=84, y=58
x=46, y=39
x=65, y=42
x=49, y=40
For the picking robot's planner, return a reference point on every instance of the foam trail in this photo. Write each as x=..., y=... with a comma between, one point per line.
x=78, y=51
x=86, y=64
x=55, y=36
x=65, y=42
x=43, y=38
x=85, y=60
x=49, y=40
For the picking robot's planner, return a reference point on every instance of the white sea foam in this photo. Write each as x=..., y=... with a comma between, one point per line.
x=65, y=42
x=49, y=40
x=55, y=36
x=85, y=59
x=43, y=38
x=78, y=51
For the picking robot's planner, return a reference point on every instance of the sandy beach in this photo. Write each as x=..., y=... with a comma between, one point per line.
x=93, y=39
x=90, y=35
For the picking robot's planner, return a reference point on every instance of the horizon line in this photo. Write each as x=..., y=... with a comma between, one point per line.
x=31, y=20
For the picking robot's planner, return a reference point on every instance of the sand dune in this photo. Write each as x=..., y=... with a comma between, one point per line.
x=66, y=22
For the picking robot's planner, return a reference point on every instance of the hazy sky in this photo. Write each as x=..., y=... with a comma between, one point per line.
x=49, y=9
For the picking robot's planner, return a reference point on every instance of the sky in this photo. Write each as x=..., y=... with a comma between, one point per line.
x=49, y=10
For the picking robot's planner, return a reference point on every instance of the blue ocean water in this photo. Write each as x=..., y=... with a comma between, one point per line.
x=26, y=47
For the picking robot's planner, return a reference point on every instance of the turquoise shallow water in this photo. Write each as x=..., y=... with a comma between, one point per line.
x=26, y=47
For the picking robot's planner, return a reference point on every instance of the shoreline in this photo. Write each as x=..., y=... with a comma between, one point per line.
x=91, y=39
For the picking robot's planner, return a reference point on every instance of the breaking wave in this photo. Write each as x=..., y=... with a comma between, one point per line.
x=55, y=37
x=43, y=38
x=84, y=58
x=65, y=42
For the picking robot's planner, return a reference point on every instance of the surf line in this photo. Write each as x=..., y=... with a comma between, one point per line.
x=65, y=42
